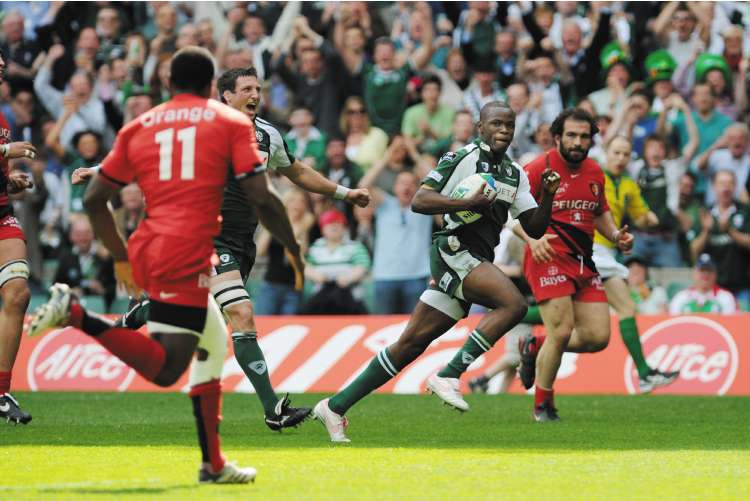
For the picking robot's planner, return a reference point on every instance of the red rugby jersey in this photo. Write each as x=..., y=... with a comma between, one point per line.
x=579, y=199
x=179, y=153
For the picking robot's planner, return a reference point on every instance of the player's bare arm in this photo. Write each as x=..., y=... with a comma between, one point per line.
x=541, y=250
x=429, y=201
x=311, y=180
x=82, y=174
x=272, y=215
x=535, y=221
x=619, y=236
x=95, y=202
x=18, y=149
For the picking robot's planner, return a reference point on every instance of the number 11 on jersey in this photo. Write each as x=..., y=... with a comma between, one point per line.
x=165, y=140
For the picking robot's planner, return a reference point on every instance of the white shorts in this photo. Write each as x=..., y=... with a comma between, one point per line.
x=607, y=265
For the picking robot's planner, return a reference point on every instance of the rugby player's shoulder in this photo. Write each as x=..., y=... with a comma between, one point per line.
x=459, y=155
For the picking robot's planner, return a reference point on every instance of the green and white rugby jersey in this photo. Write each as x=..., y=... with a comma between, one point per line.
x=238, y=219
x=513, y=194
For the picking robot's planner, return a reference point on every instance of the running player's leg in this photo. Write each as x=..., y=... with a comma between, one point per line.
x=488, y=286
x=426, y=324
x=435, y=313
x=618, y=295
x=228, y=288
x=558, y=322
x=507, y=364
x=14, y=289
x=591, y=332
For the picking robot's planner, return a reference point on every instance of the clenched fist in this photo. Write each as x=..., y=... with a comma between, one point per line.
x=550, y=181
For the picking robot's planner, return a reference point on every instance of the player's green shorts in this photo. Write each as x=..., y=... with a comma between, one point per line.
x=450, y=263
x=235, y=253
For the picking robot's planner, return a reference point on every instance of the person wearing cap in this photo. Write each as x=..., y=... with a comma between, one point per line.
x=615, y=63
x=660, y=66
x=712, y=69
x=649, y=299
x=704, y=296
x=336, y=266
x=724, y=234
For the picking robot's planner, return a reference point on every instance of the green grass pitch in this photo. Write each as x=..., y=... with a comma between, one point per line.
x=134, y=446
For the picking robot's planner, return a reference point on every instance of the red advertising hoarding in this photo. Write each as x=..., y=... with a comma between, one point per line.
x=322, y=354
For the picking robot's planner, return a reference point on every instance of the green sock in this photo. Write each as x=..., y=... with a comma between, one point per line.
x=629, y=333
x=470, y=351
x=379, y=371
x=533, y=316
x=250, y=357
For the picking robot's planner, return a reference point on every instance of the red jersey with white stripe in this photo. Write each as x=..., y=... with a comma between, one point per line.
x=179, y=153
x=578, y=201
x=4, y=168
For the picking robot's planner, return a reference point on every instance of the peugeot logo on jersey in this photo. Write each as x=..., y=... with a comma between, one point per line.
x=485, y=166
x=258, y=135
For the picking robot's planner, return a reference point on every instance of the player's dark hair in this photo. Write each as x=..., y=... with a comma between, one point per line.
x=228, y=79
x=192, y=70
x=558, y=126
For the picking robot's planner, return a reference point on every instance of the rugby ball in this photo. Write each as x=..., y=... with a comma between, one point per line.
x=469, y=187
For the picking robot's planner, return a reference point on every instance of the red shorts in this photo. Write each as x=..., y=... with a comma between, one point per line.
x=171, y=269
x=563, y=277
x=11, y=228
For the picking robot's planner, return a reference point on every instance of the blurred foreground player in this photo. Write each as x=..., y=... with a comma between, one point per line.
x=461, y=267
x=559, y=266
x=179, y=154
x=14, y=270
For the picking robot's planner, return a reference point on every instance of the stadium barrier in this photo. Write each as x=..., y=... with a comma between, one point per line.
x=322, y=354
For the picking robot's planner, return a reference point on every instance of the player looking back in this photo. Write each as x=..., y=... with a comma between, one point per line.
x=460, y=265
x=559, y=266
x=179, y=154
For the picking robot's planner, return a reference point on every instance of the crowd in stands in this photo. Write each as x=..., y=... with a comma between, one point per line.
x=372, y=95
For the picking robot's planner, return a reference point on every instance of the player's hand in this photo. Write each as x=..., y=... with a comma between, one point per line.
x=480, y=202
x=82, y=174
x=21, y=149
x=625, y=240
x=124, y=276
x=541, y=250
x=19, y=181
x=298, y=263
x=550, y=181
x=359, y=197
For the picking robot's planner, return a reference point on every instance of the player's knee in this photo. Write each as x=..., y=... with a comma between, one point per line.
x=518, y=310
x=16, y=295
x=241, y=316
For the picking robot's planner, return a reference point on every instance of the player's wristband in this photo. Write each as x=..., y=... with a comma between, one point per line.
x=616, y=236
x=341, y=192
x=4, y=149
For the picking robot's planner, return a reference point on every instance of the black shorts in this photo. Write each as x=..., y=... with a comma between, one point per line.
x=235, y=253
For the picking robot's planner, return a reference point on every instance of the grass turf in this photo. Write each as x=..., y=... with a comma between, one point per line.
x=92, y=446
